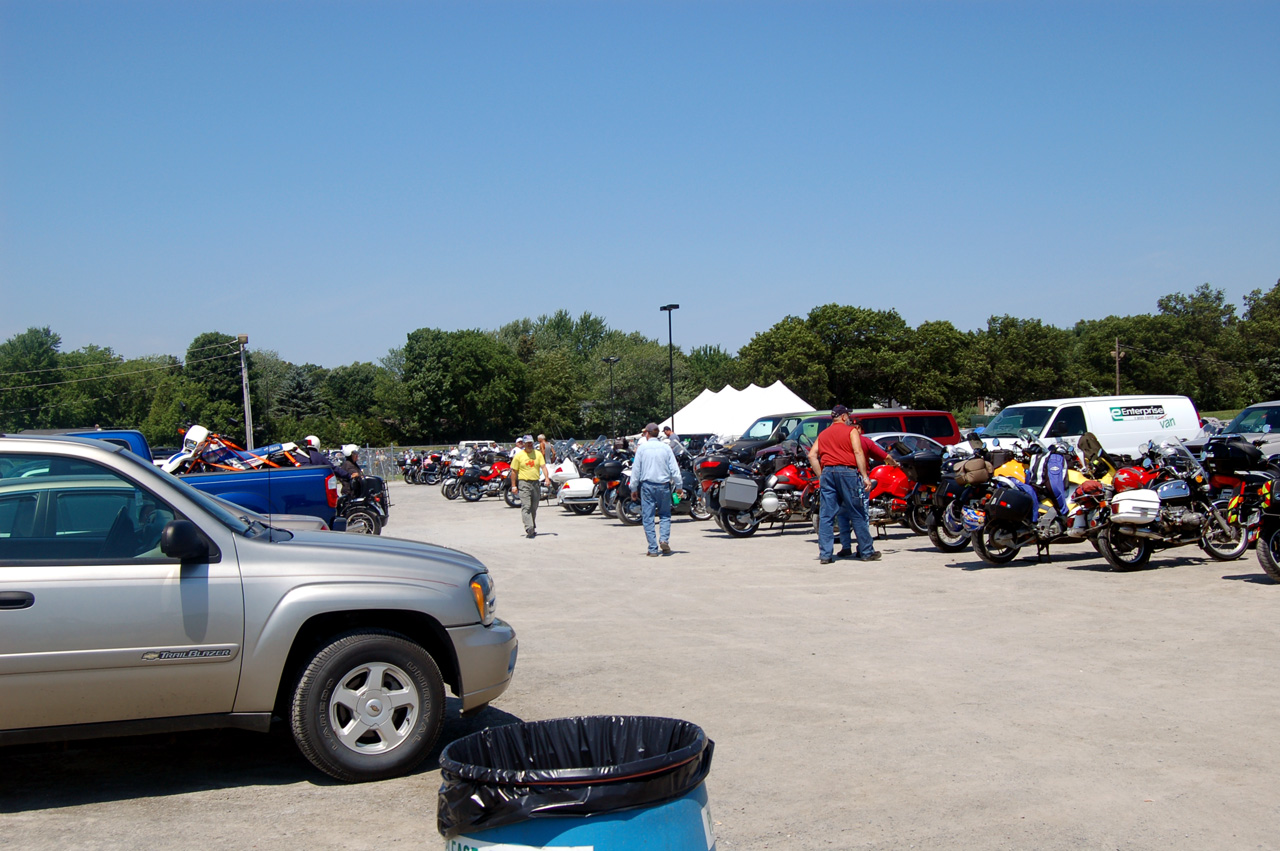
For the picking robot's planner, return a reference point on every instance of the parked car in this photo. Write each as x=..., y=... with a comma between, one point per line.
x=915, y=441
x=130, y=602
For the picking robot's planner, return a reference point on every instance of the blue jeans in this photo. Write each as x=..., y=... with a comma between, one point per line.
x=655, y=496
x=843, y=493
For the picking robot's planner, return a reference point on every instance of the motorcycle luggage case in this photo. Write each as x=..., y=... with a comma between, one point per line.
x=609, y=471
x=582, y=490
x=1231, y=456
x=1010, y=504
x=588, y=464
x=1135, y=506
x=713, y=467
x=738, y=493
x=924, y=466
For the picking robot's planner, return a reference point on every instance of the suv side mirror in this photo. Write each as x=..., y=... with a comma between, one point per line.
x=181, y=539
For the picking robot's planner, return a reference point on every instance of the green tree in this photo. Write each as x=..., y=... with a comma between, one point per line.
x=943, y=370
x=792, y=352
x=213, y=362
x=463, y=383
x=710, y=368
x=866, y=350
x=1024, y=359
x=28, y=371
x=554, y=405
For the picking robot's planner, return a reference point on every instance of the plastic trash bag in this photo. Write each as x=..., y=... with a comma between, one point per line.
x=567, y=767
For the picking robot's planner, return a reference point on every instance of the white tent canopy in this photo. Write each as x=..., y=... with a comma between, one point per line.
x=728, y=412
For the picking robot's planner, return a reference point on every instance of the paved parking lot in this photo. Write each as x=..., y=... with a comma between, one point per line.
x=923, y=701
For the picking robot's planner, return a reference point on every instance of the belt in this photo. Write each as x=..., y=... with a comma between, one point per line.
x=836, y=467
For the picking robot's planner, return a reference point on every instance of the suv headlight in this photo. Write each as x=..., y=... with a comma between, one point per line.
x=485, y=597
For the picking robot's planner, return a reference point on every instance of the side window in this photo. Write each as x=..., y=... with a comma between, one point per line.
x=1068, y=423
x=59, y=509
x=880, y=425
x=930, y=425
x=811, y=429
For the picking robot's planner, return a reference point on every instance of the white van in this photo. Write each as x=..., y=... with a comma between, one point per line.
x=1121, y=423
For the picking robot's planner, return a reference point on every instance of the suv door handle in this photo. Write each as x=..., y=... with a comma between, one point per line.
x=16, y=599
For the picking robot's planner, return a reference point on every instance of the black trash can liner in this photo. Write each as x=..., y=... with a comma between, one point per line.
x=567, y=767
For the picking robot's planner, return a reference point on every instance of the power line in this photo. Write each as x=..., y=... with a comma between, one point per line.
x=88, y=365
x=117, y=374
x=68, y=402
x=1186, y=357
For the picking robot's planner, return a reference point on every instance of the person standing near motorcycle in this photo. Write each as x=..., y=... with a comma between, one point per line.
x=316, y=458
x=548, y=451
x=654, y=474
x=672, y=439
x=528, y=465
x=840, y=463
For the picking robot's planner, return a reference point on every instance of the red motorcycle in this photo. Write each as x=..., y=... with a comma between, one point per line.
x=889, y=496
x=477, y=482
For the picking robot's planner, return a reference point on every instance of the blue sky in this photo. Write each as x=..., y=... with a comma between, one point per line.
x=327, y=176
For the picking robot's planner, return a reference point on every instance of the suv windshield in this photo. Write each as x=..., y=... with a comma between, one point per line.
x=1260, y=420
x=1011, y=420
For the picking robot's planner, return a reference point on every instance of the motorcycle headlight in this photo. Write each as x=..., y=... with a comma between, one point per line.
x=483, y=593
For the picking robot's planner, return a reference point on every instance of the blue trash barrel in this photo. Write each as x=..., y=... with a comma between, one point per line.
x=611, y=783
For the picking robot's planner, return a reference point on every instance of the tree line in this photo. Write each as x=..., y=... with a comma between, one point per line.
x=551, y=374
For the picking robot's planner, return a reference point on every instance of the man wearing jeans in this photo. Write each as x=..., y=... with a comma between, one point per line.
x=654, y=472
x=840, y=463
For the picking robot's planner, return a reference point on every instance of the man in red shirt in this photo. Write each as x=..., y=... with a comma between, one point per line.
x=840, y=463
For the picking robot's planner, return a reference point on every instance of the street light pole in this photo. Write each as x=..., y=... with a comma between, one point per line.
x=613, y=408
x=671, y=354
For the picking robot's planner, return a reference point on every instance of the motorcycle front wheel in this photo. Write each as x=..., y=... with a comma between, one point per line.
x=511, y=498
x=989, y=550
x=433, y=478
x=471, y=491
x=941, y=536
x=1222, y=548
x=739, y=524
x=449, y=489
x=698, y=509
x=1123, y=552
x=609, y=502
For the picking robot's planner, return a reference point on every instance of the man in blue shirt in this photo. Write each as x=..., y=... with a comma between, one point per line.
x=654, y=473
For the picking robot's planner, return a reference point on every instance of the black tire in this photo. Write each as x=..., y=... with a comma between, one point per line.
x=433, y=478
x=408, y=478
x=582, y=510
x=943, y=539
x=362, y=521
x=449, y=489
x=628, y=512
x=1124, y=552
x=1269, y=549
x=698, y=508
x=471, y=491
x=391, y=748
x=918, y=518
x=991, y=552
x=1220, y=548
x=739, y=524
x=609, y=502
x=512, y=499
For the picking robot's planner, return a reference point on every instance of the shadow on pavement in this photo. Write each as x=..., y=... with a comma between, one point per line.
x=1255, y=578
x=67, y=774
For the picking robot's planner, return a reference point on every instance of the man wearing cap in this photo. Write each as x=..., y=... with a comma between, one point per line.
x=840, y=463
x=527, y=466
x=654, y=473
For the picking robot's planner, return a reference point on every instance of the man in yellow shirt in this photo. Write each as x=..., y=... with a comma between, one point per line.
x=527, y=466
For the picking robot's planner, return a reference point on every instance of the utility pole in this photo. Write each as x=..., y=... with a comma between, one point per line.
x=671, y=354
x=1117, y=354
x=243, y=340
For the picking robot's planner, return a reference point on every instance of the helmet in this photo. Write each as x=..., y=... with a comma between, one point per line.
x=349, y=449
x=312, y=441
x=974, y=518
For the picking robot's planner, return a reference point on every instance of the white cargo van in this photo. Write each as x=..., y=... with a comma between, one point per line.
x=1121, y=423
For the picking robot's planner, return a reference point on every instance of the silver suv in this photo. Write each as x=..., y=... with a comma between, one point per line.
x=131, y=602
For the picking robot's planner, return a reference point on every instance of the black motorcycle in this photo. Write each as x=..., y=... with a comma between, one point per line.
x=367, y=506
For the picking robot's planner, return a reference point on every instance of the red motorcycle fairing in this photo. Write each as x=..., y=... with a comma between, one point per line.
x=1134, y=478
x=889, y=480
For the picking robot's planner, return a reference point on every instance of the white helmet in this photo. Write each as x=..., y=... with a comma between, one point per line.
x=312, y=441
x=349, y=449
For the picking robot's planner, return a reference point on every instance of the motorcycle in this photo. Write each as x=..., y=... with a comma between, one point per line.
x=367, y=507
x=686, y=500
x=965, y=485
x=1174, y=510
x=204, y=451
x=479, y=481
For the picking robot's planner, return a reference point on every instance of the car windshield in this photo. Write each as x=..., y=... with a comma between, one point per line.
x=1010, y=421
x=225, y=517
x=760, y=429
x=1260, y=420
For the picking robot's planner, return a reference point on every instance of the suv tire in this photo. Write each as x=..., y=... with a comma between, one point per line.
x=355, y=729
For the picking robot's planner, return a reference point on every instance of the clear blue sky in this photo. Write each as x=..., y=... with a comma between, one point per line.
x=328, y=176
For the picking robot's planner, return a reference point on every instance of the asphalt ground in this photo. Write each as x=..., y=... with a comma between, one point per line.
x=922, y=701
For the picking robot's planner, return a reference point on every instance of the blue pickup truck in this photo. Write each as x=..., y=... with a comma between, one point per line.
x=289, y=490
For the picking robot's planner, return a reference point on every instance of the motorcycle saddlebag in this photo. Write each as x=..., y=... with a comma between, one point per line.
x=1135, y=506
x=1231, y=456
x=738, y=493
x=924, y=466
x=1009, y=504
x=609, y=471
x=975, y=471
x=713, y=467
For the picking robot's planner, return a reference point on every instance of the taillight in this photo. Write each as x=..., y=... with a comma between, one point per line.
x=331, y=490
